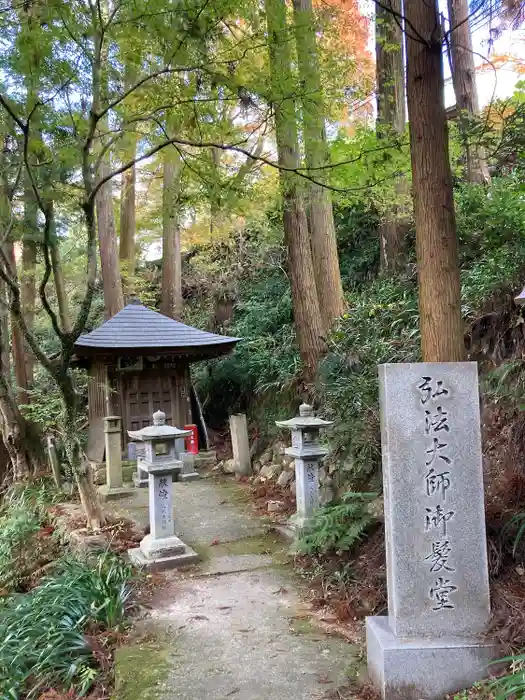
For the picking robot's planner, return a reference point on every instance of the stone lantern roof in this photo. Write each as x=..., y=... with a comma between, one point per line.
x=158, y=431
x=304, y=420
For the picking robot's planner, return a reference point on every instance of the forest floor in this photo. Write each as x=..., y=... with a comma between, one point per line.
x=237, y=625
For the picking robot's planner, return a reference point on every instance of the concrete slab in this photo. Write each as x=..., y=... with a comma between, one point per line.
x=106, y=493
x=235, y=564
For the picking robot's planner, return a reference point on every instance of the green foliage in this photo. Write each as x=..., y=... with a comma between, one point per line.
x=515, y=529
x=491, y=230
x=43, y=633
x=340, y=526
x=47, y=406
x=265, y=361
x=512, y=685
x=382, y=325
x=22, y=515
x=358, y=244
x=506, y=384
x=371, y=168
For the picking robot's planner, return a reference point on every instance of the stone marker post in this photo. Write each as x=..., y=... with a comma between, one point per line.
x=113, y=488
x=188, y=471
x=308, y=454
x=240, y=444
x=161, y=549
x=437, y=574
x=140, y=477
x=53, y=460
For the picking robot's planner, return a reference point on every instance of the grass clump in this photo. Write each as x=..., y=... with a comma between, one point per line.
x=22, y=516
x=45, y=635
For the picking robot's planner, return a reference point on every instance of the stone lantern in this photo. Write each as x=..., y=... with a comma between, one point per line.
x=161, y=548
x=308, y=454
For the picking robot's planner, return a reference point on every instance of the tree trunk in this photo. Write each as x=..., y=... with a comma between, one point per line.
x=17, y=342
x=308, y=323
x=80, y=467
x=465, y=88
x=107, y=235
x=321, y=217
x=436, y=239
x=391, y=122
x=215, y=199
x=127, y=253
x=60, y=288
x=107, y=239
x=29, y=250
x=171, y=292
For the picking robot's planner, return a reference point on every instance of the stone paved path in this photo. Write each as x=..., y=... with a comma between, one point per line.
x=233, y=627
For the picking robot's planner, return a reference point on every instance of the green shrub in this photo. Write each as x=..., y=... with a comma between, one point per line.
x=23, y=513
x=338, y=527
x=43, y=639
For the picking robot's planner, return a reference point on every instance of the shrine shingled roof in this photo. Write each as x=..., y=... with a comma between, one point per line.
x=137, y=328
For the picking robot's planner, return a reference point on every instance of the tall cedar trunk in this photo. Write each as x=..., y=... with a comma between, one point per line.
x=127, y=252
x=107, y=235
x=436, y=240
x=171, y=292
x=17, y=340
x=391, y=121
x=320, y=211
x=107, y=240
x=21, y=439
x=29, y=249
x=308, y=323
x=60, y=288
x=465, y=88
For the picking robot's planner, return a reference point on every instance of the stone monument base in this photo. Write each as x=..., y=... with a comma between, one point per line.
x=415, y=668
x=112, y=494
x=160, y=554
x=190, y=476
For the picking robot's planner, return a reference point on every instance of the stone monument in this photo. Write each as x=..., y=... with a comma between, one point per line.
x=240, y=444
x=161, y=549
x=114, y=486
x=431, y=642
x=308, y=454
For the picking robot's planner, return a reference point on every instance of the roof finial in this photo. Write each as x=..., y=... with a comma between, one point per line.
x=305, y=410
x=159, y=418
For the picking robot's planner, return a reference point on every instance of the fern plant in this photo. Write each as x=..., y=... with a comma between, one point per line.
x=340, y=526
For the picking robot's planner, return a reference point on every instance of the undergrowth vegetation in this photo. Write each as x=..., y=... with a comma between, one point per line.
x=58, y=613
x=45, y=635
x=25, y=542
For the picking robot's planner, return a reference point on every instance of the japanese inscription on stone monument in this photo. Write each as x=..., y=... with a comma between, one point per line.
x=434, y=397
x=434, y=514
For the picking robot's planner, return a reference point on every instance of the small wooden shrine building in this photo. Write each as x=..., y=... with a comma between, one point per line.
x=138, y=363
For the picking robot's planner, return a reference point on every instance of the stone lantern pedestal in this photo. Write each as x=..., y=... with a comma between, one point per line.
x=161, y=549
x=308, y=454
